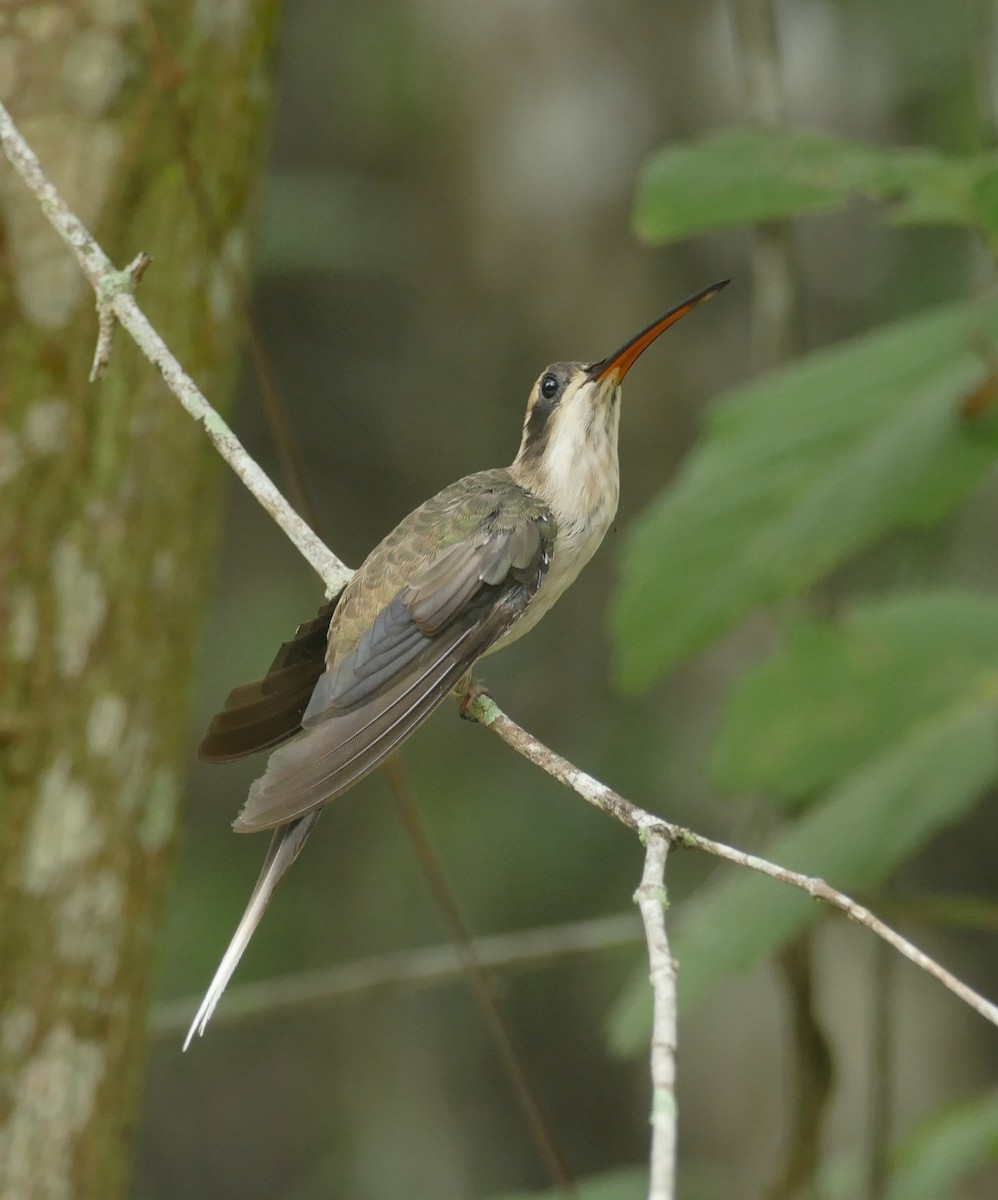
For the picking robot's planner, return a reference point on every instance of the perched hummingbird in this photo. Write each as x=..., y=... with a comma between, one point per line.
x=469, y=571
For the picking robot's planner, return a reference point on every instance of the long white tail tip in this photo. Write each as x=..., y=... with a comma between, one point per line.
x=285, y=846
x=230, y=960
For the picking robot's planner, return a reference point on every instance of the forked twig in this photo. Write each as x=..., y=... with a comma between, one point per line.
x=485, y=710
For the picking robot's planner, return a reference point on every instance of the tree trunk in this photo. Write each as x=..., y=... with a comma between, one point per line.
x=149, y=120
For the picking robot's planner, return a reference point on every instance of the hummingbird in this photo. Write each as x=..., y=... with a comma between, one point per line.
x=469, y=571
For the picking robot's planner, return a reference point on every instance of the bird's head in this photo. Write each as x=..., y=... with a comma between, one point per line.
x=573, y=407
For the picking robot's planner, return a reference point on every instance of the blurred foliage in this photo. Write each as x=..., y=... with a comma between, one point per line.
x=878, y=726
x=945, y=1149
x=799, y=471
x=855, y=835
x=932, y=1160
x=840, y=693
x=737, y=176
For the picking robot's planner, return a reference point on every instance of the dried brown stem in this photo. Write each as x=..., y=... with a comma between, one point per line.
x=531, y=1101
x=812, y=1077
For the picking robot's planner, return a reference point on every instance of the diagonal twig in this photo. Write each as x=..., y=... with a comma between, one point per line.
x=113, y=289
x=538, y=1118
x=485, y=710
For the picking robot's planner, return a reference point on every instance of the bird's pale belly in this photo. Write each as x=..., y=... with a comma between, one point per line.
x=571, y=553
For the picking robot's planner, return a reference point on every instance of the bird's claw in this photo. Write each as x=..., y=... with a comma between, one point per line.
x=469, y=689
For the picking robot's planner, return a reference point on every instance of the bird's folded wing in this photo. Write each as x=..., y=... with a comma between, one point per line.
x=262, y=714
x=401, y=668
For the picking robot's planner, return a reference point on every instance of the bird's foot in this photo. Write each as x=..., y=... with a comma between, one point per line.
x=469, y=689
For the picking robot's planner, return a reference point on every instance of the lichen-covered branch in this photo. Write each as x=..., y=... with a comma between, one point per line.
x=651, y=901
x=114, y=295
x=485, y=710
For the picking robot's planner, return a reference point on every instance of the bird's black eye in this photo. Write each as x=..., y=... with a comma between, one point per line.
x=549, y=387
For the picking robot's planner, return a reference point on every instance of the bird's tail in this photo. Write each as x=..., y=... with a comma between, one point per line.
x=285, y=846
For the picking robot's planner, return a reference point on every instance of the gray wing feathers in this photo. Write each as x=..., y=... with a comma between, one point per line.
x=399, y=671
x=341, y=749
x=442, y=590
x=445, y=587
x=406, y=628
x=390, y=645
x=517, y=552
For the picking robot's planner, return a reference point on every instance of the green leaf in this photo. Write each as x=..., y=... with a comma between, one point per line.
x=798, y=471
x=940, y=191
x=839, y=693
x=984, y=196
x=854, y=839
x=945, y=1149
x=743, y=176
x=929, y=1162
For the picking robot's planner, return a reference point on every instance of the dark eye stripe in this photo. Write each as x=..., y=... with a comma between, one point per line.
x=548, y=396
x=537, y=422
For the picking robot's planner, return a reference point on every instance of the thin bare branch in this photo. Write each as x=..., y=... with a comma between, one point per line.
x=113, y=291
x=651, y=900
x=429, y=966
x=485, y=710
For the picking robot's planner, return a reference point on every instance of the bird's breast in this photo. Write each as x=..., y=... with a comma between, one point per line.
x=578, y=538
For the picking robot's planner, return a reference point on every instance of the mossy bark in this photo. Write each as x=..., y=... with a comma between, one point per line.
x=149, y=118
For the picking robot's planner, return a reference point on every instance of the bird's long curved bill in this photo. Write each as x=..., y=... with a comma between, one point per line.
x=620, y=363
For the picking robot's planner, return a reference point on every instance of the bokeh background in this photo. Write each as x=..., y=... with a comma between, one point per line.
x=447, y=209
